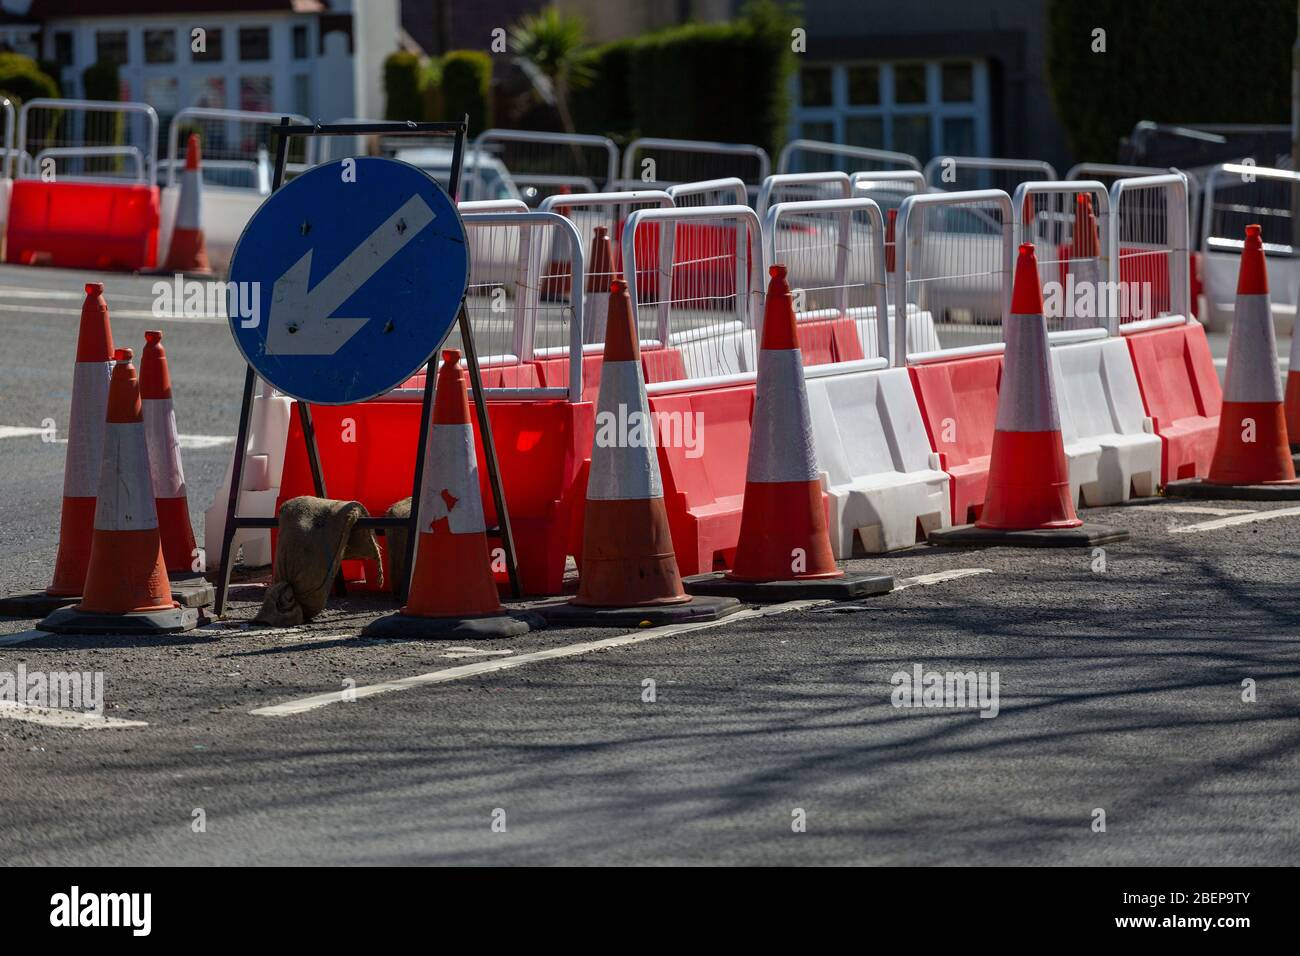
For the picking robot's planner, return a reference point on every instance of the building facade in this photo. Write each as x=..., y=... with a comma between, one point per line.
x=311, y=57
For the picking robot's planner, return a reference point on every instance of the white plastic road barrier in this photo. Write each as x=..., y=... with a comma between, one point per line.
x=884, y=483
x=1111, y=445
x=263, y=467
x=544, y=161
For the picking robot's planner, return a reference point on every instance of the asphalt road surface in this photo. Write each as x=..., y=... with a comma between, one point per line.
x=772, y=737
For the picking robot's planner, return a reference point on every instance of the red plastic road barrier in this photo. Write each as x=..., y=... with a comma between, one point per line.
x=541, y=447
x=959, y=403
x=1182, y=396
x=704, y=486
x=83, y=225
x=827, y=341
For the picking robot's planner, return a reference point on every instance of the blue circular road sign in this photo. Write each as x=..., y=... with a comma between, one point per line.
x=347, y=280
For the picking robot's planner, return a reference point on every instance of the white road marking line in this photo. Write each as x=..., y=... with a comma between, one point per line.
x=1201, y=510
x=19, y=431
x=22, y=637
x=457, y=653
x=144, y=315
x=191, y=442
x=304, y=704
x=1234, y=520
x=53, y=717
x=938, y=577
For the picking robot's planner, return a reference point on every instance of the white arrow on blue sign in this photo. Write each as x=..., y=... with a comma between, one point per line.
x=356, y=274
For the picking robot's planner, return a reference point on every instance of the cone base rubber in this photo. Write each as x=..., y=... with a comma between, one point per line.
x=844, y=587
x=414, y=627
x=69, y=620
x=34, y=604
x=1204, y=490
x=1081, y=536
x=695, y=609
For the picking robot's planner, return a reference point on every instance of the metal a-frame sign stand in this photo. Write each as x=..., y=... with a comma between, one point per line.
x=286, y=130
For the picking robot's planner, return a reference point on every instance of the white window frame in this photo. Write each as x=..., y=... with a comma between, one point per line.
x=840, y=110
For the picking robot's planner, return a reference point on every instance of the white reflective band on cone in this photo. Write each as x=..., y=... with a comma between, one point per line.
x=1251, y=375
x=125, y=490
x=781, y=444
x=164, y=448
x=85, y=453
x=187, y=209
x=1027, y=401
x=623, y=462
x=451, y=466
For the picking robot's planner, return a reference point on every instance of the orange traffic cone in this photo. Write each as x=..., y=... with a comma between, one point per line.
x=600, y=270
x=1085, y=259
x=126, y=584
x=1028, y=499
x=784, y=549
x=1252, y=454
x=452, y=589
x=628, y=571
x=81, y=463
x=165, y=469
x=189, y=251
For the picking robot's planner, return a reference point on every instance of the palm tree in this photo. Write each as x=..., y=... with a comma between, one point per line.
x=548, y=47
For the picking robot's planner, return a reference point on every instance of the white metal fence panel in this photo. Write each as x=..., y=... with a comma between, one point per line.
x=652, y=163
x=963, y=173
x=955, y=253
x=890, y=185
x=802, y=187
x=89, y=140
x=703, y=293
x=1150, y=249
x=10, y=118
x=518, y=311
x=236, y=145
x=834, y=254
x=543, y=164
x=810, y=156
x=1072, y=246
x=730, y=190
x=1237, y=195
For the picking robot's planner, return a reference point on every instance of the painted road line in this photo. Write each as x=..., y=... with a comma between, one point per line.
x=304, y=704
x=1234, y=520
x=73, y=719
x=459, y=653
x=22, y=637
x=938, y=577
x=20, y=431
x=1200, y=510
x=188, y=442
x=139, y=315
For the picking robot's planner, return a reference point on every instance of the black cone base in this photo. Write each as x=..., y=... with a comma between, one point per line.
x=568, y=614
x=846, y=588
x=69, y=620
x=1201, y=489
x=1084, y=536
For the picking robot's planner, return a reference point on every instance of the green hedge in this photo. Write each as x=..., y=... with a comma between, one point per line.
x=727, y=82
x=604, y=105
x=21, y=79
x=403, y=95
x=1169, y=61
x=467, y=88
